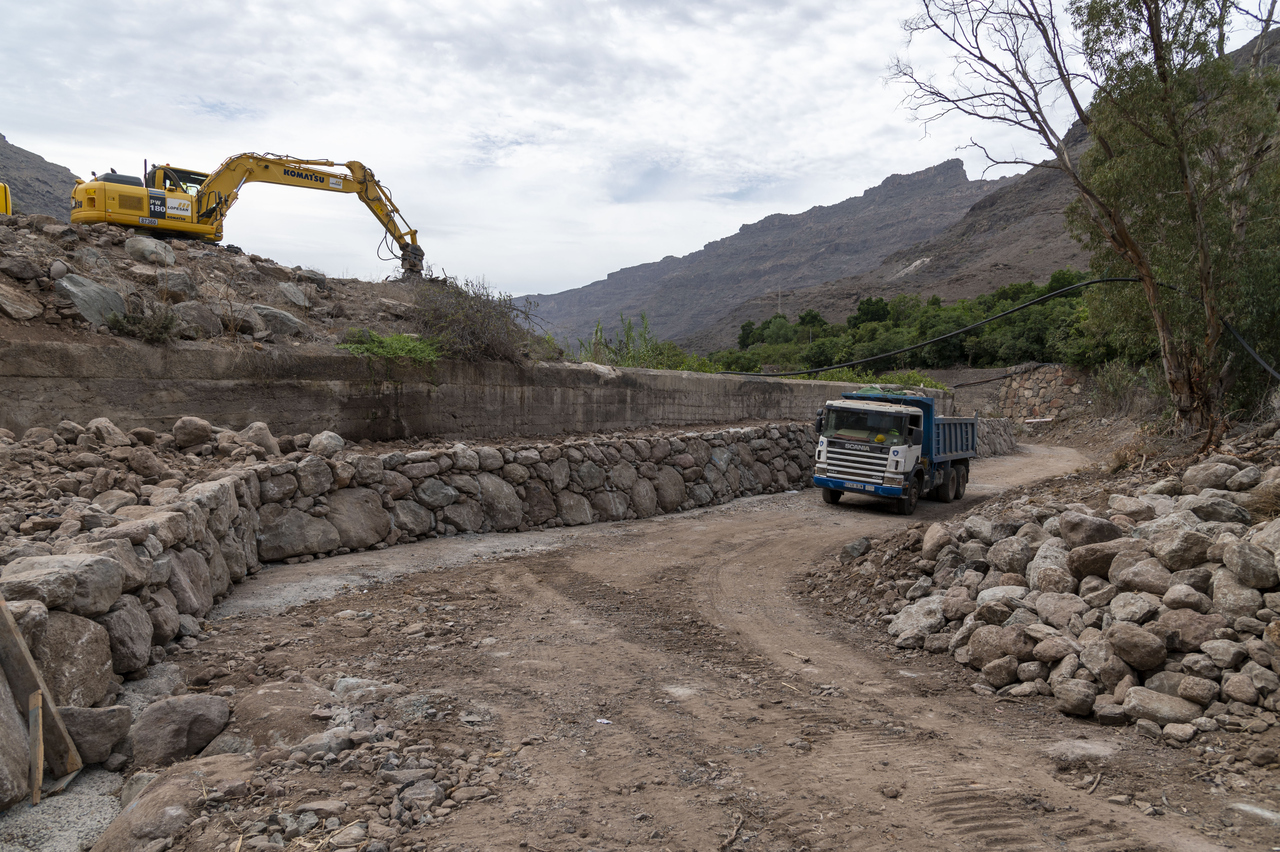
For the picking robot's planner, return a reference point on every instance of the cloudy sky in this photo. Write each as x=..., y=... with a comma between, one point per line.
x=541, y=145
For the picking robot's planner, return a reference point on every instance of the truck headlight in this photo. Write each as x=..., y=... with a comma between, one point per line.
x=893, y=479
x=820, y=470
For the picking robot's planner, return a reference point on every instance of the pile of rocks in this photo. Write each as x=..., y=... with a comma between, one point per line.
x=76, y=276
x=1161, y=609
x=393, y=780
x=113, y=550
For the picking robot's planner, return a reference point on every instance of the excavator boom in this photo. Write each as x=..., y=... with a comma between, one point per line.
x=196, y=204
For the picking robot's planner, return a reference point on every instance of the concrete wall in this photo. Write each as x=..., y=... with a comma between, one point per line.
x=136, y=385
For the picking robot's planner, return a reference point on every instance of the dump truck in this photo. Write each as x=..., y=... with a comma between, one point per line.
x=893, y=446
x=170, y=201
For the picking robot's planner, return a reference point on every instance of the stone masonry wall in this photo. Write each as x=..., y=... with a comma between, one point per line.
x=1043, y=390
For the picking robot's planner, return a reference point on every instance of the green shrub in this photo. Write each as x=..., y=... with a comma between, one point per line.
x=155, y=328
x=395, y=347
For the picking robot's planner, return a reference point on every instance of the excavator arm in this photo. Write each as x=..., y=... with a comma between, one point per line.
x=216, y=195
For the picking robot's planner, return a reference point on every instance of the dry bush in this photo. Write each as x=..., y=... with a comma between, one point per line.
x=472, y=322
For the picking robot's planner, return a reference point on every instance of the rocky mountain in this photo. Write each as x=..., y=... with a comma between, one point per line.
x=1015, y=233
x=37, y=185
x=683, y=296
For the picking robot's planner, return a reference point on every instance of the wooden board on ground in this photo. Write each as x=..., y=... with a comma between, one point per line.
x=24, y=679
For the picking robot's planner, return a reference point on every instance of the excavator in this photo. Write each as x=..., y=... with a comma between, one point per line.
x=186, y=203
x=6, y=202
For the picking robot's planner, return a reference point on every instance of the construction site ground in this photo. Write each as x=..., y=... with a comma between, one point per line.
x=669, y=684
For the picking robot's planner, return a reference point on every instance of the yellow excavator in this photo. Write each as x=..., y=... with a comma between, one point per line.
x=182, y=202
x=6, y=202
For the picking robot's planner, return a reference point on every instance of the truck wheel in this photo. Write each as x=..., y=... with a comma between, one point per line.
x=950, y=482
x=962, y=480
x=907, y=504
x=830, y=495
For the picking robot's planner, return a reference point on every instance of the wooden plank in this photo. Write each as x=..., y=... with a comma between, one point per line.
x=24, y=678
x=35, y=732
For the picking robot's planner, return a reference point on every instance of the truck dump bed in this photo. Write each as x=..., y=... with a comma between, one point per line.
x=953, y=437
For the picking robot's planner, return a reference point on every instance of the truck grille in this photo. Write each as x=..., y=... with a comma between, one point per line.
x=856, y=465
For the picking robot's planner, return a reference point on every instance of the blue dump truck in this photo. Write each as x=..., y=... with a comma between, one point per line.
x=892, y=446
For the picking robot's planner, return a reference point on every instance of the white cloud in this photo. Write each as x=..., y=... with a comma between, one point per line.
x=540, y=144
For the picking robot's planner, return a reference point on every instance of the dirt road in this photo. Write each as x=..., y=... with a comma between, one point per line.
x=665, y=687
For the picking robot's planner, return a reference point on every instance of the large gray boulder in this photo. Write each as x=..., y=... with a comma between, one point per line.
x=539, y=504
x=189, y=581
x=1078, y=529
x=198, y=318
x=1010, y=555
x=1143, y=703
x=75, y=660
x=670, y=488
x=574, y=509
x=18, y=305
x=15, y=757
x=178, y=727
x=412, y=518
x=467, y=517
x=358, y=516
x=289, y=532
x=1233, y=599
x=190, y=431
x=96, y=731
x=1140, y=649
x=281, y=322
x=314, y=476
x=435, y=494
x=94, y=301
x=150, y=250
x=644, y=499
x=1253, y=566
x=1179, y=550
x=612, y=505
x=96, y=581
x=1207, y=475
x=501, y=504
x=259, y=433
x=129, y=630
x=326, y=444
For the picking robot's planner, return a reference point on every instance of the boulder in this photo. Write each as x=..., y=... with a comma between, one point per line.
x=435, y=494
x=273, y=715
x=277, y=489
x=1231, y=598
x=501, y=504
x=1207, y=475
x=281, y=322
x=1137, y=647
x=259, y=433
x=644, y=499
x=1010, y=555
x=358, y=516
x=189, y=581
x=412, y=518
x=1078, y=529
x=1178, y=550
x=1187, y=629
x=1074, y=697
x=1149, y=575
x=164, y=808
x=468, y=516
x=129, y=631
x=1135, y=608
x=1215, y=509
x=936, y=538
x=96, y=731
x=149, y=250
x=1131, y=507
x=289, y=532
x=93, y=301
x=574, y=509
x=178, y=727
x=326, y=444
x=1142, y=703
x=1253, y=566
x=670, y=488
x=18, y=305
x=164, y=617
x=75, y=660
x=611, y=505
x=1057, y=608
x=926, y=615
x=96, y=581
x=198, y=320
x=1182, y=596
x=15, y=756
x=1095, y=560
x=539, y=504
x=191, y=431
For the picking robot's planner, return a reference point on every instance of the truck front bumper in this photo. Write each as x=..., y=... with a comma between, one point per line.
x=857, y=487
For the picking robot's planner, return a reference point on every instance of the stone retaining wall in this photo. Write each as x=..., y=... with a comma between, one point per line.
x=1043, y=390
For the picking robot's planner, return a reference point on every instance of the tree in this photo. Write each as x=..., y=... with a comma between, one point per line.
x=745, y=333
x=1182, y=145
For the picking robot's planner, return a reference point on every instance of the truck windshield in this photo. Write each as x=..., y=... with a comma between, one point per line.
x=871, y=426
